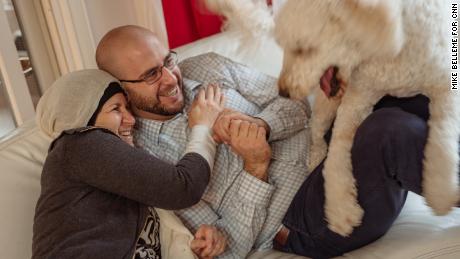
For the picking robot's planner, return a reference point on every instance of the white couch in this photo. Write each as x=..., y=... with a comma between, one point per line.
x=415, y=234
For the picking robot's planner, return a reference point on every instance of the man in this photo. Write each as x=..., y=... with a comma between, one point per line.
x=247, y=196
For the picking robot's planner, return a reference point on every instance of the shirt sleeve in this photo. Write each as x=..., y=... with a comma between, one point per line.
x=104, y=161
x=241, y=217
x=283, y=116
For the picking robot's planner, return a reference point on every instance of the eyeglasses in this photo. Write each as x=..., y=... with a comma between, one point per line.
x=154, y=74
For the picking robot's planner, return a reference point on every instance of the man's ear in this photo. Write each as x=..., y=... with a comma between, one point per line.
x=376, y=25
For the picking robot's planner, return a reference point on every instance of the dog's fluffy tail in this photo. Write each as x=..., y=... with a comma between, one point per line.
x=252, y=18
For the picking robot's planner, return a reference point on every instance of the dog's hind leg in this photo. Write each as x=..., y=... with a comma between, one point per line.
x=441, y=163
x=342, y=210
x=324, y=112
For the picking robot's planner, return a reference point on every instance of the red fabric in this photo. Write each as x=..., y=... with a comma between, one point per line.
x=188, y=20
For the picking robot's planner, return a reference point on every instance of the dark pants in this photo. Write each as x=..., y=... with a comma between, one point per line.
x=387, y=156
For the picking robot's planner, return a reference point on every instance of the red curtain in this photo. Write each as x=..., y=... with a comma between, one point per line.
x=188, y=20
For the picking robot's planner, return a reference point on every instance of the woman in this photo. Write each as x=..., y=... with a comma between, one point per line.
x=98, y=192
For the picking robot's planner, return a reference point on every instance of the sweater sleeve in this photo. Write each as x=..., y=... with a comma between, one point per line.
x=104, y=161
x=201, y=142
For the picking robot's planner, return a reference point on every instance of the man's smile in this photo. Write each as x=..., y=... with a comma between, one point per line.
x=170, y=94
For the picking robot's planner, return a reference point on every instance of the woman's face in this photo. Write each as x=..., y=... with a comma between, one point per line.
x=116, y=117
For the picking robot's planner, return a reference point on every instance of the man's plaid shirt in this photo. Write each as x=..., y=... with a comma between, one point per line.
x=247, y=210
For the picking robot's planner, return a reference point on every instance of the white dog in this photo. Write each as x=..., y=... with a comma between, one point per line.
x=375, y=47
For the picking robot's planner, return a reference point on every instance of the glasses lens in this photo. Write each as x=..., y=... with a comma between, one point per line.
x=153, y=76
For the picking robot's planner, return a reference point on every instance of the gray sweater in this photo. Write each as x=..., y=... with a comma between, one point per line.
x=95, y=193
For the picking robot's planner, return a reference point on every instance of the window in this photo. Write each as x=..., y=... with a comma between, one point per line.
x=21, y=83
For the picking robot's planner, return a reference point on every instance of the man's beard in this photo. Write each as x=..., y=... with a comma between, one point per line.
x=142, y=103
x=159, y=109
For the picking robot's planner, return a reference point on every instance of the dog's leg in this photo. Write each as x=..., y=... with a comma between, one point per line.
x=440, y=176
x=324, y=111
x=342, y=210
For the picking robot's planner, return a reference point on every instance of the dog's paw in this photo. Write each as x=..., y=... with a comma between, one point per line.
x=343, y=214
x=440, y=189
x=441, y=202
x=318, y=152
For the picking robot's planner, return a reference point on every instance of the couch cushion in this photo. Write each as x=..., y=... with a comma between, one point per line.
x=265, y=57
x=415, y=234
x=22, y=155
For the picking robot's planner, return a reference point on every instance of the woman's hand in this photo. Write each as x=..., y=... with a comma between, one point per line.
x=206, y=107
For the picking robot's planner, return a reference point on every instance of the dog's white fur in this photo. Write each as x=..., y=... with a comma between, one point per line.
x=253, y=14
x=395, y=47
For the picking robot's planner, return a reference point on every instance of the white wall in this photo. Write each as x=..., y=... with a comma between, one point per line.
x=107, y=14
x=80, y=24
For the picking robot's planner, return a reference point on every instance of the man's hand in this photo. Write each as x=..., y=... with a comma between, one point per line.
x=248, y=140
x=208, y=242
x=221, y=128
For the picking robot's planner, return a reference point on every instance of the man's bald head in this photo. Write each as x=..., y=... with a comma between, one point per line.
x=121, y=47
x=132, y=53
